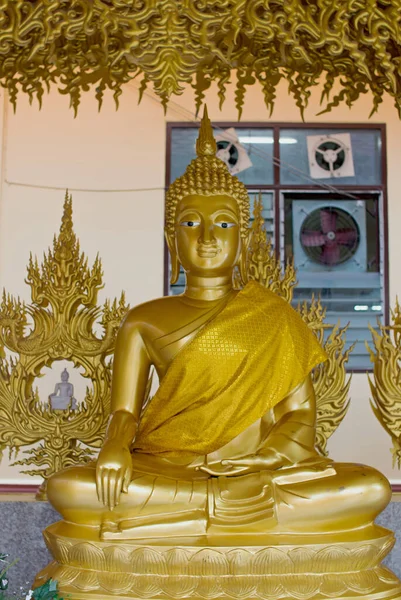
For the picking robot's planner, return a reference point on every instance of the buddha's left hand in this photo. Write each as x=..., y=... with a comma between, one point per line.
x=252, y=463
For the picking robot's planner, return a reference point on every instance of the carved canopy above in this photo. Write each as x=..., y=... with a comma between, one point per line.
x=106, y=43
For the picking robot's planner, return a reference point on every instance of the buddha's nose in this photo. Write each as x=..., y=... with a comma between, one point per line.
x=207, y=237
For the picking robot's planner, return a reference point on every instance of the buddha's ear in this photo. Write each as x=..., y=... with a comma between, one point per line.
x=175, y=265
x=243, y=260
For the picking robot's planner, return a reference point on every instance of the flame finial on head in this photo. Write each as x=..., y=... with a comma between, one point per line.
x=206, y=144
x=206, y=175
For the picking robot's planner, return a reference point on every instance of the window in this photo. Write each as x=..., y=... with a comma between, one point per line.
x=323, y=191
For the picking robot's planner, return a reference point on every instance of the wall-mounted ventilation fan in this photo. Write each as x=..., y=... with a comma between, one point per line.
x=330, y=156
x=232, y=152
x=330, y=236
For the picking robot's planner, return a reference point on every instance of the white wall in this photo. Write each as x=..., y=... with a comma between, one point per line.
x=114, y=164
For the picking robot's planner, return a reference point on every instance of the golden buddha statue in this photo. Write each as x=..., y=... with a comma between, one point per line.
x=214, y=487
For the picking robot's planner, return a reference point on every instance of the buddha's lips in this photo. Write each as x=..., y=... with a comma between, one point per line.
x=208, y=252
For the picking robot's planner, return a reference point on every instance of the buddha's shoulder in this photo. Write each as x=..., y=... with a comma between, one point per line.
x=153, y=312
x=273, y=305
x=267, y=298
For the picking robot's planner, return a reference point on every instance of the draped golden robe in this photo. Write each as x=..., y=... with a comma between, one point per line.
x=239, y=365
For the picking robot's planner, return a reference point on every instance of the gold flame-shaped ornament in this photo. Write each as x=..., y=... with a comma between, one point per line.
x=330, y=379
x=349, y=48
x=385, y=385
x=206, y=145
x=59, y=324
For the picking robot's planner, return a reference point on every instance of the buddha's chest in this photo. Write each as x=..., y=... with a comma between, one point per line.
x=167, y=341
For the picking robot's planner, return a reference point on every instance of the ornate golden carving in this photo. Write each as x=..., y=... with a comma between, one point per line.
x=59, y=324
x=385, y=385
x=106, y=43
x=329, y=379
x=133, y=571
x=263, y=265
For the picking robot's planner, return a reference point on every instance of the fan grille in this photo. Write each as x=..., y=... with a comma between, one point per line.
x=330, y=236
x=330, y=153
x=232, y=158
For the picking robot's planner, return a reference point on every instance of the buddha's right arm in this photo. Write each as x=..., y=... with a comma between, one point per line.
x=130, y=375
x=131, y=369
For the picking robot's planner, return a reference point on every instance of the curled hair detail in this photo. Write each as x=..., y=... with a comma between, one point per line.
x=207, y=176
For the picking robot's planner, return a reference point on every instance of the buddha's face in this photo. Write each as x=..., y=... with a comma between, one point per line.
x=208, y=241
x=64, y=376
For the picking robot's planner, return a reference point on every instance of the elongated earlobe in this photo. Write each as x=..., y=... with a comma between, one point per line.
x=243, y=260
x=175, y=269
x=175, y=265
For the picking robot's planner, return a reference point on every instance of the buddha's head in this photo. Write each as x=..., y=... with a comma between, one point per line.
x=207, y=214
x=65, y=376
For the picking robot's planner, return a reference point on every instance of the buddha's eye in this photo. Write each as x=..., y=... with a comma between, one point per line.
x=225, y=225
x=190, y=223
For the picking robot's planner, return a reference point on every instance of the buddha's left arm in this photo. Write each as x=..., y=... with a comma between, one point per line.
x=292, y=436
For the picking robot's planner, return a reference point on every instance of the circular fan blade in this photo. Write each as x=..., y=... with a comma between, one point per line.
x=346, y=236
x=328, y=220
x=330, y=254
x=329, y=236
x=312, y=238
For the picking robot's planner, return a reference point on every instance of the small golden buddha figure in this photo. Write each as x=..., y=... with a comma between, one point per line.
x=222, y=459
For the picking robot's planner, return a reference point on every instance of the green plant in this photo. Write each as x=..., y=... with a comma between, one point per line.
x=47, y=591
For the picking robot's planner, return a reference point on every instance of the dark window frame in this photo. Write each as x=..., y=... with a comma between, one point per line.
x=276, y=187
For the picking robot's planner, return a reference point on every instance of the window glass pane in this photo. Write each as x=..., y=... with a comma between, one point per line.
x=330, y=156
x=248, y=151
x=183, y=140
x=258, y=144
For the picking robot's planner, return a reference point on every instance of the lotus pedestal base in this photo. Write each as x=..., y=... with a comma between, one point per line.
x=99, y=570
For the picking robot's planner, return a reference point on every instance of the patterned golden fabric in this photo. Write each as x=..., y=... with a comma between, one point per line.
x=241, y=364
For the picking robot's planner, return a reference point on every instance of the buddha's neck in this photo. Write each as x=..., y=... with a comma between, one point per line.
x=208, y=288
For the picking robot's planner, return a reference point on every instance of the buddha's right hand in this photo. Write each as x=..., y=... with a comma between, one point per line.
x=113, y=472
